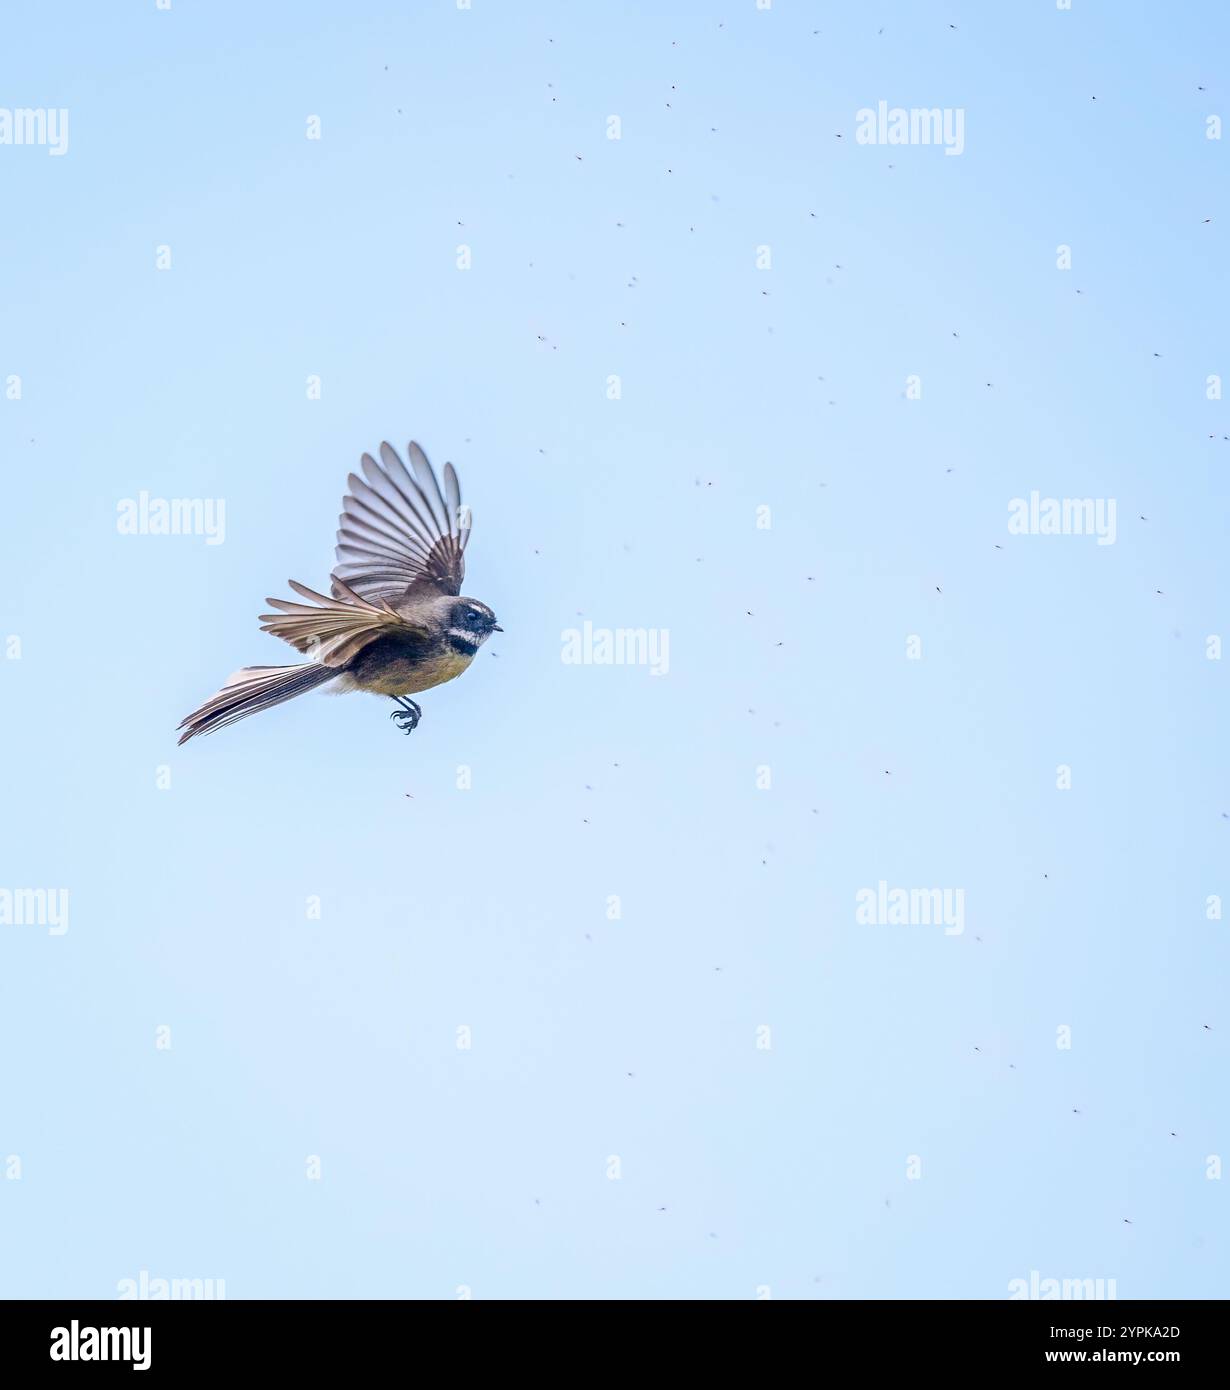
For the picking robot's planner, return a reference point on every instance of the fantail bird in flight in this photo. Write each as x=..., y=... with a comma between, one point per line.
x=396, y=624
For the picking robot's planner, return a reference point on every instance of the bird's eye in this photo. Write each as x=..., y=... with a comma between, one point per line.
x=475, y=619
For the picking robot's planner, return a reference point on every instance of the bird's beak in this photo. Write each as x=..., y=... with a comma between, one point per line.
x=495, y=627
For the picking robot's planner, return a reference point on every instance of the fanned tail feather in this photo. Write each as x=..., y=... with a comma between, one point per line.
x=250, y=690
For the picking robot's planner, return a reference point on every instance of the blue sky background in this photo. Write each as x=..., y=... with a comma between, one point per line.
x=487, y=907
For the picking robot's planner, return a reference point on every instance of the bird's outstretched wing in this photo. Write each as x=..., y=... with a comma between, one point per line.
x=398, y=531
x=338, y=629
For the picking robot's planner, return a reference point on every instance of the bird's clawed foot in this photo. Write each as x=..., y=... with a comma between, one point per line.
x=407, y=717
